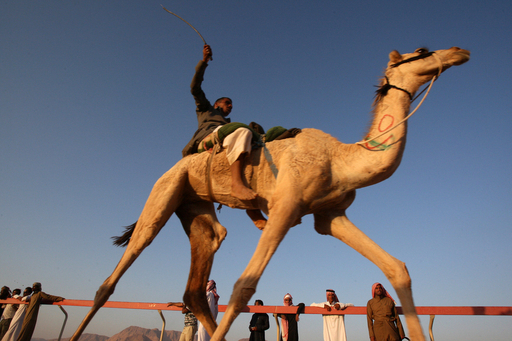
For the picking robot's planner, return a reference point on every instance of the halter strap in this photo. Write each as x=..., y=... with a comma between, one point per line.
x=384, y=89
x=421, y=56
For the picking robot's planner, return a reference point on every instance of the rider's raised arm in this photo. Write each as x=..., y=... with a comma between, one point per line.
x=195, y=87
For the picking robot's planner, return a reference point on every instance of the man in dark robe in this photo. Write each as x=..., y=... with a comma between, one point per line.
x=289, y=322
x=38, y=297
x=259, y=323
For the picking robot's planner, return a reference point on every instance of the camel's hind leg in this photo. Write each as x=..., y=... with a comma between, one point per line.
x=340, y=227
x=206, y=235
x=162, y=202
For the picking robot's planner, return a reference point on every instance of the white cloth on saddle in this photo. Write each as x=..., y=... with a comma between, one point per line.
x=236, y=143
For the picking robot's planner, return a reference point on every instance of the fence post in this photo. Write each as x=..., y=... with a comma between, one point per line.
x=430, y=327
x=65, y=320
x=163, y=325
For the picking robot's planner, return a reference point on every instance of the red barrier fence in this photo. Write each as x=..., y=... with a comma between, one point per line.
x=432, y=311
x=454, y=310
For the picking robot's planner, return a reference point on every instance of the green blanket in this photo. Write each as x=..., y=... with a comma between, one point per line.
x=257, y=138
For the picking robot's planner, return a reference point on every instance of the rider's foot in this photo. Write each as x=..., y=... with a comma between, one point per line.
x=243, y=193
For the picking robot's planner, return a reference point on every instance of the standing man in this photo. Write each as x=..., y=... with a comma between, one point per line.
x=238, y=144
x=29, y=324
x=334, y=325
x=213, y=302
x=259, y=323
x=383, y=320
x=190, y=328
x=5, y=292
x=289, y=322
x=8, y=314
x=17, y=320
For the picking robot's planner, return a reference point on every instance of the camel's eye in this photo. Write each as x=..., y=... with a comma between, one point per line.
x=421, y=50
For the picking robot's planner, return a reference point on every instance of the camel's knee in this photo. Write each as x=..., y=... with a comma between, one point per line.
x=103, y=294
x=247, y=293
x=220, y=234
x=399, y=276
x=241, y=296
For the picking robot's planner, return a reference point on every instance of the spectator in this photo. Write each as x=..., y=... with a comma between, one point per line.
x=383, y=320
x=289, y=326
x=259, y=323
x=29, y=323
x=8, y=314
x=334, y=325
x=190, y=328
x=17, y=320
x=213, y=302
x=5, y=292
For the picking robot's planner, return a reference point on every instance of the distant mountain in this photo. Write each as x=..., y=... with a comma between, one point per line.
x=84, y=337
x=131, y=334
x=141, y=334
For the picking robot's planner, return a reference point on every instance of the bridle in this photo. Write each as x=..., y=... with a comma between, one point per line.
x=384, y=89
x=412, y=59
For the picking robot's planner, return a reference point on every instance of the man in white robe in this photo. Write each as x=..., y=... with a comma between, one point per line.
x=334, y=325
x=213, y=302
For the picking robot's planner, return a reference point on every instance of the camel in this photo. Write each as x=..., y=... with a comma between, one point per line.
x=317, y=174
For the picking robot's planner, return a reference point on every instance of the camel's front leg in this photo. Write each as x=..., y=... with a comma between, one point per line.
x=162, y=202
x=206, y=235
x=340, y=227
x=281, y=217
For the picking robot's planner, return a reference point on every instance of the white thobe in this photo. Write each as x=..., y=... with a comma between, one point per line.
x=202, y=334
x=17, y=322
x=334, y=325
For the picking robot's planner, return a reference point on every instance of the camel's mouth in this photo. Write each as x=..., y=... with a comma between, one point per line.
x=463, y=56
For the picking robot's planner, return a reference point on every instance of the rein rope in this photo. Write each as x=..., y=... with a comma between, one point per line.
x=216, y=148
x=440, y=70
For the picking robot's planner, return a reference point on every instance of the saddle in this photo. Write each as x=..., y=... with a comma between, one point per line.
x=259, y=137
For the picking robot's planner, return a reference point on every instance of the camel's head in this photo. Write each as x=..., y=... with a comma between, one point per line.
x=422, y=65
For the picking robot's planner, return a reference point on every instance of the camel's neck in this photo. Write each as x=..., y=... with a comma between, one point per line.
x=380, y=154
x=390, y=110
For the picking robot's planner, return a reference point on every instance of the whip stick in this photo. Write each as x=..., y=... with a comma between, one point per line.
x=186, y=22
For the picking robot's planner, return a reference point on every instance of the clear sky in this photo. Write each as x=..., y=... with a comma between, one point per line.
x=95, y=106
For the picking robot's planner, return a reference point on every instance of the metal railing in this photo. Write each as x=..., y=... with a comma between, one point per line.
x=424, y=310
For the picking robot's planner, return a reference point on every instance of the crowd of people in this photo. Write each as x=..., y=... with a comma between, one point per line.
x=383, y=321
x=18, y=321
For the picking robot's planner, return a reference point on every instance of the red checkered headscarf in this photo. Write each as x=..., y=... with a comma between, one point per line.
x=212, y=286
x=385, y=292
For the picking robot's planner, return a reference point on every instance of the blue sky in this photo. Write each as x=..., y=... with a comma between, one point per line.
x=95, y=107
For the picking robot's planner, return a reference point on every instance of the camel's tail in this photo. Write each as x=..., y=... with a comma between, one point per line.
x=125, y=238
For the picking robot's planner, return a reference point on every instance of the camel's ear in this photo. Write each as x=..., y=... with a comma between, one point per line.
x=395, y=57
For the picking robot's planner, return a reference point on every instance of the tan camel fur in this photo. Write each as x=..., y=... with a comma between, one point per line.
x=317, y=175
